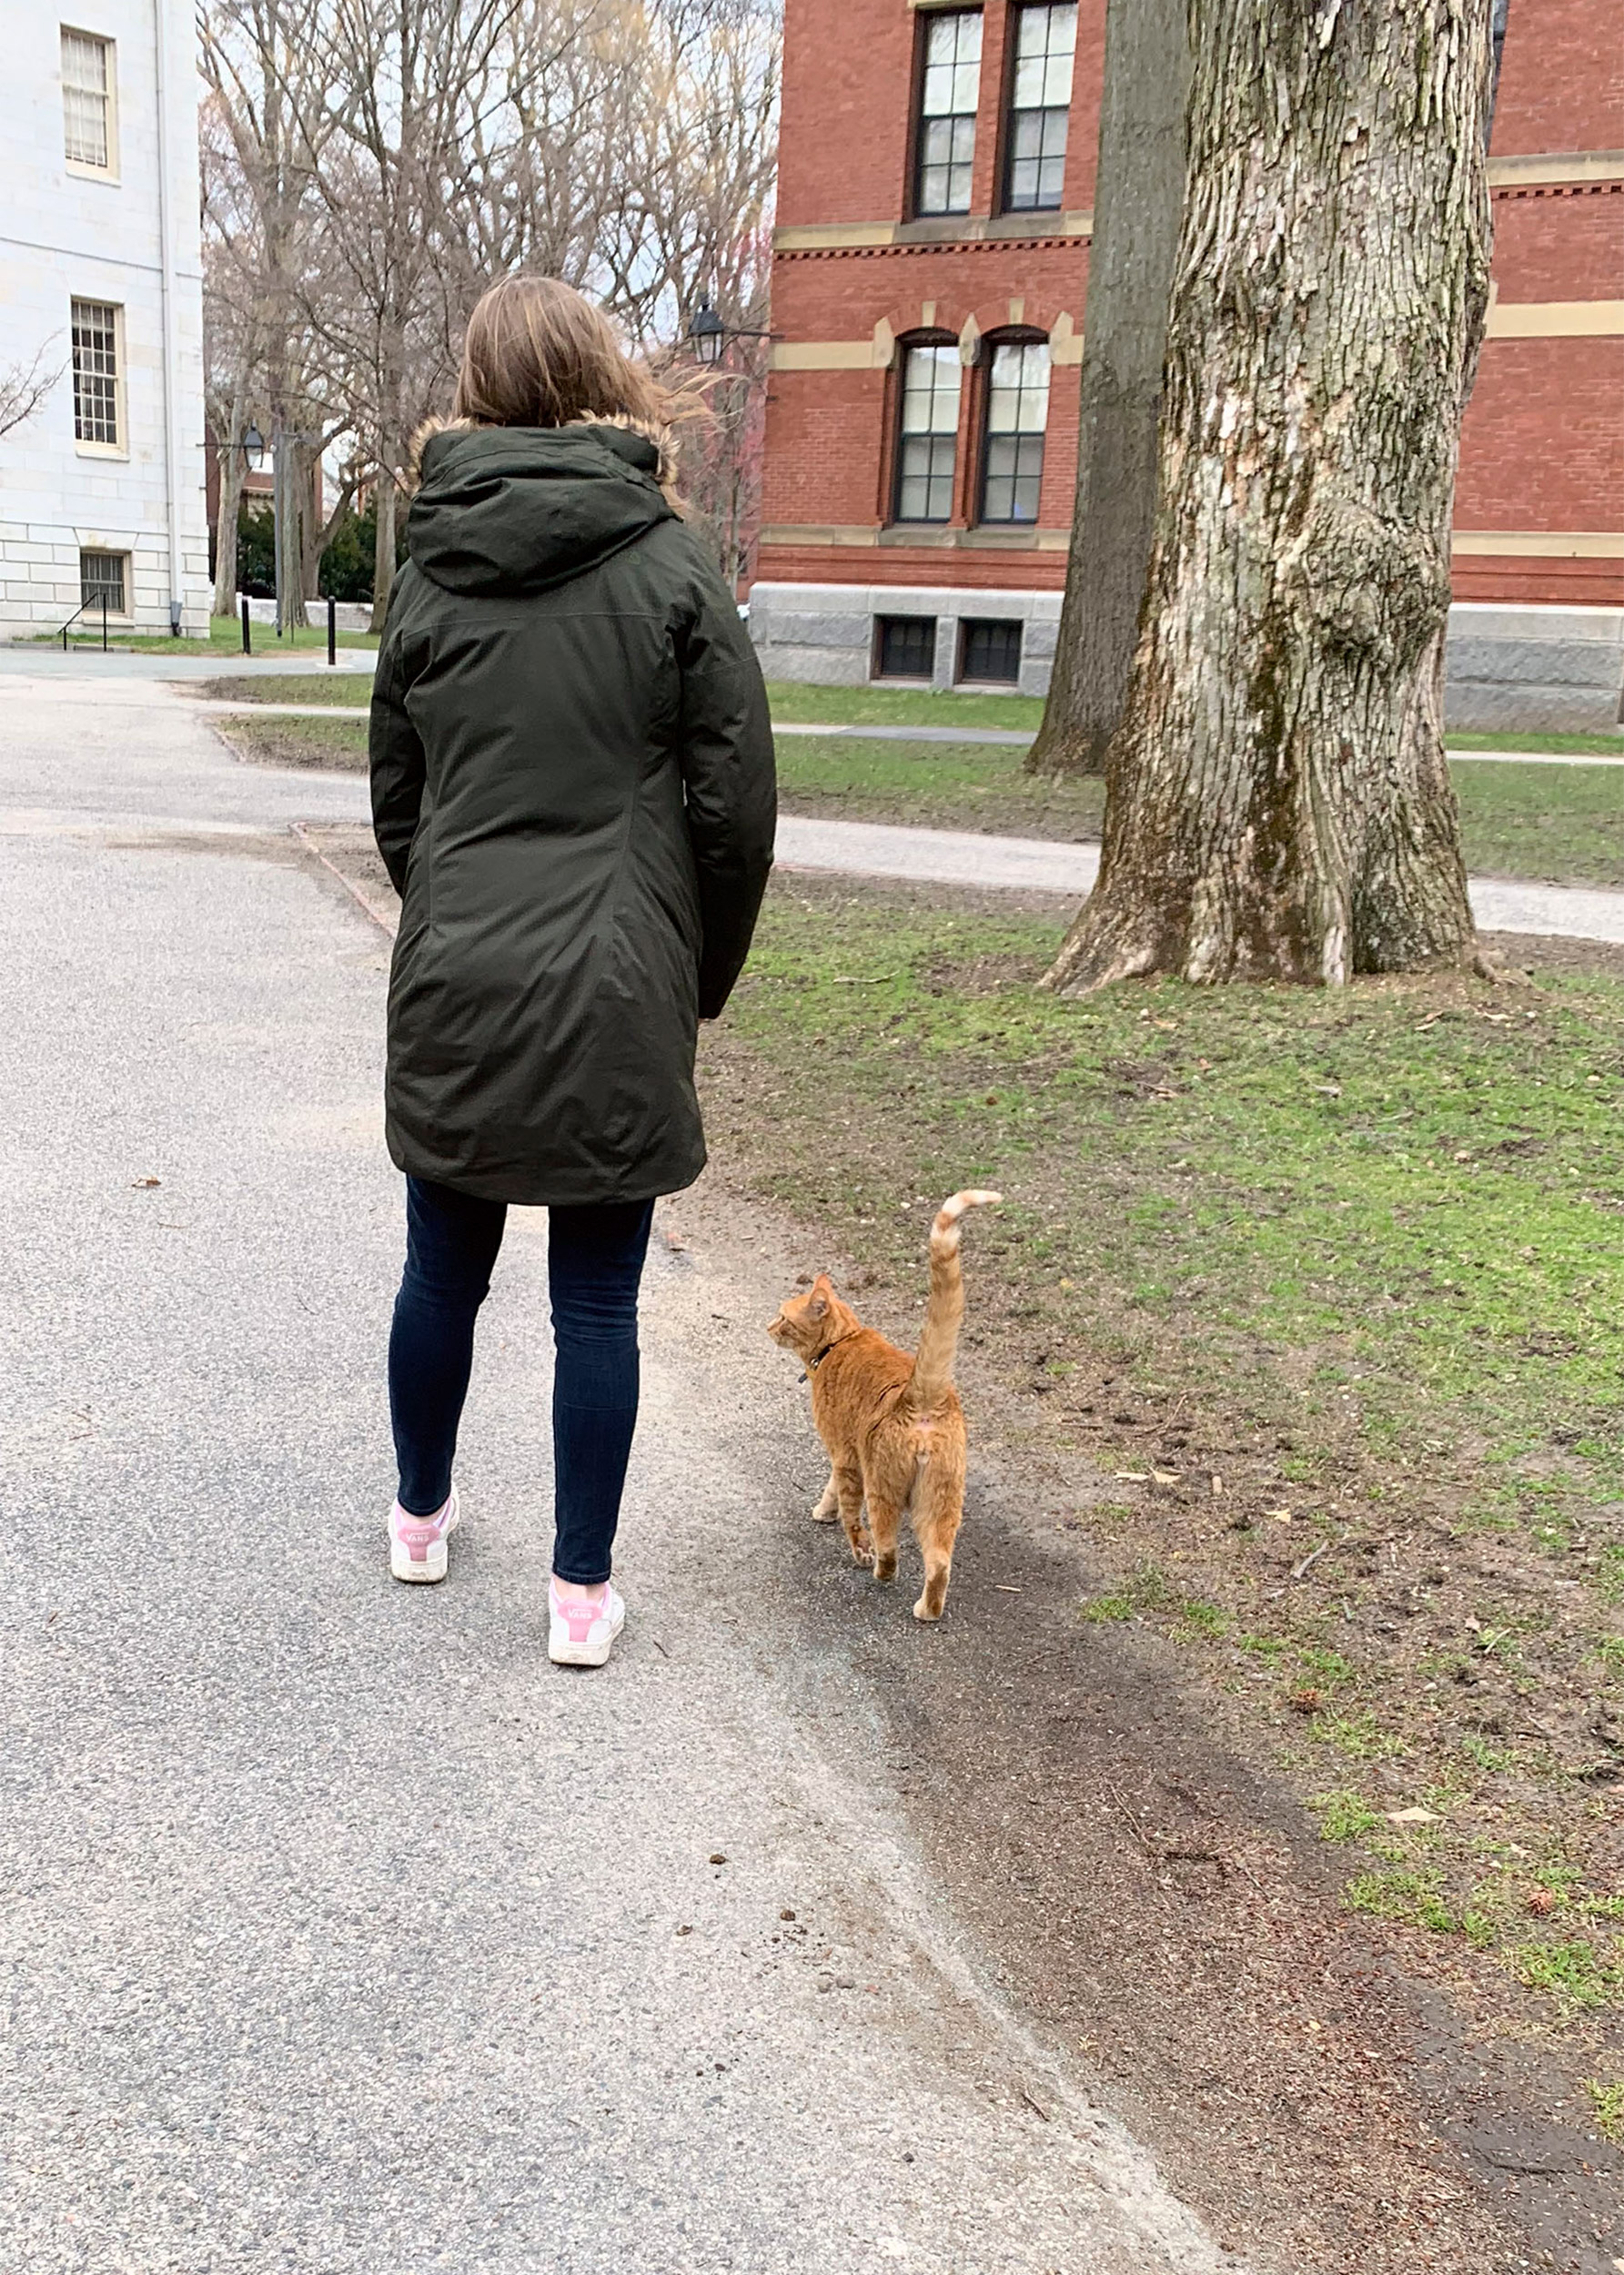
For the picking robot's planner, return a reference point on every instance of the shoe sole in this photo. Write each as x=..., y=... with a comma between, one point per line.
x=584, y=1654
x=433, y=1567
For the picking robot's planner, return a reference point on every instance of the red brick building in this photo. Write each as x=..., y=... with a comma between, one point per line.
x=930, y=274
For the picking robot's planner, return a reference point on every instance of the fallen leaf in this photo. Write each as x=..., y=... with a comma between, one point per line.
x=1132, y=1477
x=1309, y=1701
x=1281, y=1516
x=1166, y=1477
x=1541, y=1902
x=144, y=1184
x=1414, y=1817
x=717, y=1857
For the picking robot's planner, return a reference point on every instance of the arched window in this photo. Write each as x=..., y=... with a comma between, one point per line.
x=1017, y=416
x=928, y=432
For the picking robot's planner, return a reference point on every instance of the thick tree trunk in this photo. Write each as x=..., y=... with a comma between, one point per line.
x=1277, y=801
x=1138, y=203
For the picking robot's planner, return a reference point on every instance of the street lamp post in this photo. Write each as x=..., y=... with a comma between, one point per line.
x=707, y=336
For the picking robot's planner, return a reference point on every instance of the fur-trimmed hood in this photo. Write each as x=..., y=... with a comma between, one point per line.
x=510, y=510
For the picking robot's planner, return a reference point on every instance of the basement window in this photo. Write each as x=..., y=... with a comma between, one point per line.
x=990, y=652
x=905, y=647
x=104, y=577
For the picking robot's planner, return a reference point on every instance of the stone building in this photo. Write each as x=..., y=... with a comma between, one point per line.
x=101, y=489
x=930, y=272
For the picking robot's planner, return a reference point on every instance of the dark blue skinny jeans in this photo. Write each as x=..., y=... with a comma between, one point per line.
x=595, y=1261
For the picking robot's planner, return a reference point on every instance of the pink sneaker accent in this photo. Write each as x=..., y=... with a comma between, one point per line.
x=417, y=1550
x=581, y=1632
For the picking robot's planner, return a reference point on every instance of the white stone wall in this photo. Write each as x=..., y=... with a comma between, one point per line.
x=65, y=235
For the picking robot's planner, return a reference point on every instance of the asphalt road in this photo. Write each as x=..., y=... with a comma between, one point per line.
x=338, y=1930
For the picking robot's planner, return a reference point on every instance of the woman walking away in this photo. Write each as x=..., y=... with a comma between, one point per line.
x=573, y=791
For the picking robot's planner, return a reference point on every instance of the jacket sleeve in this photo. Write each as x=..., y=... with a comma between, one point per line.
x=729, y=775
x=397, y=763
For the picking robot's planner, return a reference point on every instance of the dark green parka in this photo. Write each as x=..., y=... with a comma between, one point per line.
x=572, y=789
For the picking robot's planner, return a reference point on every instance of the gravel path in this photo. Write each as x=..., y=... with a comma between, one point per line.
x=339, y=1932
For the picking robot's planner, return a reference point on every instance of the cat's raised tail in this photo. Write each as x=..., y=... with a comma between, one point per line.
x=939, y=1337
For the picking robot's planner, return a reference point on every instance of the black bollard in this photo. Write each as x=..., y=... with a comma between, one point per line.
x=248, y=637
x=332, y=630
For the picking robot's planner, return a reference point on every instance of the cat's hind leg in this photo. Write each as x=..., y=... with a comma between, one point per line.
x=848, y=1486
x=938, y=1508
x=828, y=1507
x=885, y=1507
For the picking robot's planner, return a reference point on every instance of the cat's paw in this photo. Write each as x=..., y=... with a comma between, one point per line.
x=825, y=1512
x=885, y=1567
x=922, y=1611
x=863, y=1550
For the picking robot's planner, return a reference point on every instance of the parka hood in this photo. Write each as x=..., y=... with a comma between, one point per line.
x=511, y=510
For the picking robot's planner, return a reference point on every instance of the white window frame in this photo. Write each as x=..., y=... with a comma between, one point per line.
x=83, y=167
x=126, y=614
x=121, y=448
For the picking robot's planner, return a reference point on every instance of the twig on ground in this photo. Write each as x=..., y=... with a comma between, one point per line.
x=1300, y=1572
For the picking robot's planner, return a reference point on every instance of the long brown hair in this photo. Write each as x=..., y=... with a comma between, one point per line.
x=538, y=354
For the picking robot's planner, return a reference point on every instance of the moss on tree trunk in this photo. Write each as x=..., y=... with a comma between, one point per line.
x=1278, y=801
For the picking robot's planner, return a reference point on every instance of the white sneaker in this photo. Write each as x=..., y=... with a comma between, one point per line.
x=418, y=1548
x=582, y=1633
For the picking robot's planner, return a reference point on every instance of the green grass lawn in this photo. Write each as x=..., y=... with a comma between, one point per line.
x=1558, y=745
x=900, y=707
x=1560, y=821
x=353, y=689
x=1322, y=1294
x=328, y=745
x=225, y=639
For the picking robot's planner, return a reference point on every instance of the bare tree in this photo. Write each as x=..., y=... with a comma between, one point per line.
x=1278, y=800
x=389, y=162
x=24, y=388
x=1138, y=207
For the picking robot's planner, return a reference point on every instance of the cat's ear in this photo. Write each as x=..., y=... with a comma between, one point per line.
x=818, y=1301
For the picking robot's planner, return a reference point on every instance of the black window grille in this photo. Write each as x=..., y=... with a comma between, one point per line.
x=1040, y=107
x=1017, y=418
x=905, y=647
x=928, y=437
x=990, y=652
x=102, y=576
x=949, y=87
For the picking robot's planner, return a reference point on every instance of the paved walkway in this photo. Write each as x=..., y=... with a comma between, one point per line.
x=338, y=1934
x=1040, y=865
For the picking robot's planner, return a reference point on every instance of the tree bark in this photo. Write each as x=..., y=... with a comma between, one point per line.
x=383, y=551
x=1277, y=801
x=1138, y=204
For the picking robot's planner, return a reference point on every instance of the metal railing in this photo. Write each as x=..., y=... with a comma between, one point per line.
x=78, y=612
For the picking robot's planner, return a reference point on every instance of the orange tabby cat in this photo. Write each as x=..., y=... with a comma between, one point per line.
x=892, y=1425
